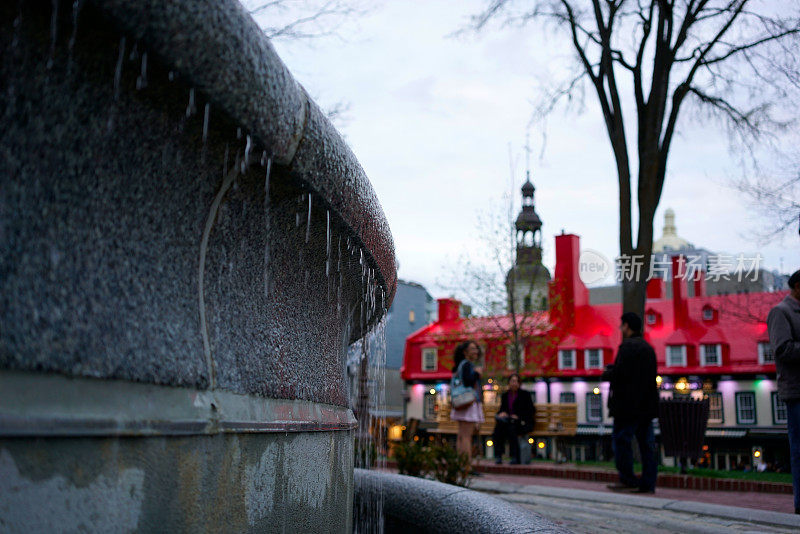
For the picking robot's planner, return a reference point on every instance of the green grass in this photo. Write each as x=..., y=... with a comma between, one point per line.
x=710, y=473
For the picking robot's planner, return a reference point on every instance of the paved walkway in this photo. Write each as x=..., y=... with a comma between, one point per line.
x=585, y=506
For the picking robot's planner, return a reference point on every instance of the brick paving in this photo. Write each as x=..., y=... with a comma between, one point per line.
x=773, y=502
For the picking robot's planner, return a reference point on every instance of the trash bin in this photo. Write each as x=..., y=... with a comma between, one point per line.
x=683, y=423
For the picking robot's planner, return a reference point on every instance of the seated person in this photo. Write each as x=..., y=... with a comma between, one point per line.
x=514, y=419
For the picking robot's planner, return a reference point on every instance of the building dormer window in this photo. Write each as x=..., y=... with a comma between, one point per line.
x=676, y=356
x=709, y=314
x=429, y=359
x=765, y=354
x=593, y=358
x=566, y=359
x=711, y=355
x=651, y=318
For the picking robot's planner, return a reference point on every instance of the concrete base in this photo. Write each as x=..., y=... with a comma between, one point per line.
x=222, y=483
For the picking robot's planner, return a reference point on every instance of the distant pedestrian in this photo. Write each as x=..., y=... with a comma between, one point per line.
x=633, y=403
x=514, y=419
x=783, y=324
x=466, y=354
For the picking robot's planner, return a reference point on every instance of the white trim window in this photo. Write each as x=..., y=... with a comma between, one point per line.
x=676, y=355
x=566, y=359
x=711, y=355
x=715, y=410
x=780, y=415
x=566, y=397
x=765, y=354
x=510, y=363
x=708, y=313
x=594, y=408
x=429, y=411
x=746, y=408
x=651, y=318
x=430, y=361
x=593, y=358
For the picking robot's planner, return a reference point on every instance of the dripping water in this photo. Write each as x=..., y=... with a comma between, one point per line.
x=190, y=108
x=141, y=81
x=118, y=68
x=206, y=112
x=53, y=34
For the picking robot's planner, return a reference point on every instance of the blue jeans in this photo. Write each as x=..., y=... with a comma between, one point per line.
x=793, y=426
x=622, y=442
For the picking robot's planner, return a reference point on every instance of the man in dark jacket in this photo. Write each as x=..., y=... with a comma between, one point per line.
x=514, y=418
x=633, y=404
x=783, y=324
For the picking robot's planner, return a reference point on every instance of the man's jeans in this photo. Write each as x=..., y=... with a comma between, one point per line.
x=622, y=441
x=793, y=426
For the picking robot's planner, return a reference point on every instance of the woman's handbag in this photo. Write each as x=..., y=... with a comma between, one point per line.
x=461, y=396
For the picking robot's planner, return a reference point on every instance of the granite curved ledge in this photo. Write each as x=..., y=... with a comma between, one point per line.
x=420, y=505
x=218, y=47
x=134, y=248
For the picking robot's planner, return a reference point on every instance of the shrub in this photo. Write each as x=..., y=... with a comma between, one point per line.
x=412, y=459
x=450, y=466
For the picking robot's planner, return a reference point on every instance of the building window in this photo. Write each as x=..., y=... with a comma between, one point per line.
x=429, y=360
x=746, y=408
x=708, y=314
x=511, y=363
x=651, y=318
x=594, y=408
x=411, y=316
x=566, y=397
x=779, y=414
x=594, y=359
x=711, y=354
x=676, y=356
x=715, y=413
x=429, y=407
x=566, y=359
x=765, y=354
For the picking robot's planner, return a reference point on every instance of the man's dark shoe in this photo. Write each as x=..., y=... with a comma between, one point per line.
x=619, y=486
x=644, y=490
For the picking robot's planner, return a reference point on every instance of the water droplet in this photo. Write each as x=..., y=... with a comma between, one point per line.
x=76, y=8
x=53, y=33
x=141, y=81
x=190, y=108
x=171, y=76
x=206, y=112
x=118, y=69
x=247, y=148
x=308, y=220
x=238, y=133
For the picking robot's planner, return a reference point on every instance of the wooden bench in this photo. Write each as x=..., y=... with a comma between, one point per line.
x=550, y=420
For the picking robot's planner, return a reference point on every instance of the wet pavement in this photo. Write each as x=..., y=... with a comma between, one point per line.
x=584, y=506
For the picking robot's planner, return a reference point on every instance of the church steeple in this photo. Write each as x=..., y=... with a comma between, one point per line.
x=529, y=227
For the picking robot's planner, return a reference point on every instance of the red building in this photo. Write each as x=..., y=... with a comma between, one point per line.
x=707, y=346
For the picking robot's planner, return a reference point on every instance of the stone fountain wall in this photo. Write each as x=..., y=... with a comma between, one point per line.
x=188, y=247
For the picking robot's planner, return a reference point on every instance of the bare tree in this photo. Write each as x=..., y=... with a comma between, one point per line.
x=504, y=295
x=734, y=60
x=775, y=198
x=292, y=20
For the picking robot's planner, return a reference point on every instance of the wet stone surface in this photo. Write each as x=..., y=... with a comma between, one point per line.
x=106, y=197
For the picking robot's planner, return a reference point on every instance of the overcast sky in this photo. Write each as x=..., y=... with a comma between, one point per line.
x=431, y=118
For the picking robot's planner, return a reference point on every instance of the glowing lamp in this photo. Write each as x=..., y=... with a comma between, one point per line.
x=757, y=454
x=540, y=445
x=490, y=443
x=659, y=380
x=596, y=391
x=432, y=391
x=530, y=440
